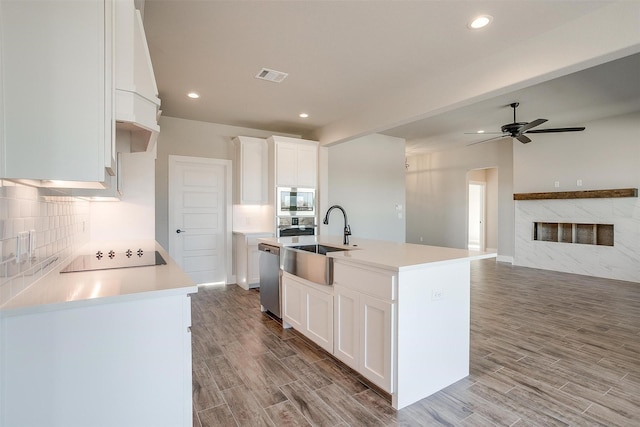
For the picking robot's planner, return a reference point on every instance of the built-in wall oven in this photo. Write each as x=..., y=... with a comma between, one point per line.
x=296, y=226
x=296, y=202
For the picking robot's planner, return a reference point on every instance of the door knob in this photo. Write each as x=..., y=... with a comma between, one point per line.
x=180, y=231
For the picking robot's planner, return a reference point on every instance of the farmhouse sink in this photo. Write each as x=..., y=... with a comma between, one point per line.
x=310, y=262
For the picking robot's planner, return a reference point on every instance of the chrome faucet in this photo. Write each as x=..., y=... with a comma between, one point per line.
x=347, y=229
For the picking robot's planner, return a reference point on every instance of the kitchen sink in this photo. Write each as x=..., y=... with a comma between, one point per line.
x=319, y=249
x=310, y=262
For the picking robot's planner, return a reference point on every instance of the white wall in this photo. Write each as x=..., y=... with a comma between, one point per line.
x=133, y=217
x=437, y=195
x=191, y=138
x=366, y=177
x=605, y=155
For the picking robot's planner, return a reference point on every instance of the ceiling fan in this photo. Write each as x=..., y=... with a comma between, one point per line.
x=517, y=129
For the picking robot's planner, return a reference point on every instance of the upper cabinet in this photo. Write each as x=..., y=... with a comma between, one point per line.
x=296, y=162
x=251, y=170
x=136, y=93
x=69, y=70
x=57, y=92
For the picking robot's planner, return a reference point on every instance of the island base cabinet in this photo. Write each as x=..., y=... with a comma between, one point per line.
x=292, y=303
x=363, y=335
x=376, y=341
x=319, y=318
x=109, y=364
x=347, y=326
x=308, y=309
x=433, y=330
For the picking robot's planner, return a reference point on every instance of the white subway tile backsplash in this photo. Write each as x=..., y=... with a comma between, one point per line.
x=57, y=221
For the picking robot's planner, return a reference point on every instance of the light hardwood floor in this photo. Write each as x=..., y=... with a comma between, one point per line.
x=547, y=349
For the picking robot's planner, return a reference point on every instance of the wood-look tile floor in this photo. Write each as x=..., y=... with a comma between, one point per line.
x=547, y=349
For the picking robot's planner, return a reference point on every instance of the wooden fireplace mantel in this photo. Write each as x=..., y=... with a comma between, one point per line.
x=588, y=194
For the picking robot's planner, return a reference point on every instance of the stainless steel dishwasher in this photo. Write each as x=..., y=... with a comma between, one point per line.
x=270, y=278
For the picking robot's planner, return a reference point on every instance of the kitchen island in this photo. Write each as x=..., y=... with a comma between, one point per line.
x=105, y=347
x=399, y=314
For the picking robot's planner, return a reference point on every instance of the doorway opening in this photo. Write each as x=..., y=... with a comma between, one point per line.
x=476, y=216
x=482, y=228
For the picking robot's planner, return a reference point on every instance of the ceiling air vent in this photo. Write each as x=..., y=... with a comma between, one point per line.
x=271, y=75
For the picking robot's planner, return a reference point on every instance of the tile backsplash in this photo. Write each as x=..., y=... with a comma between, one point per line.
x=39, y=228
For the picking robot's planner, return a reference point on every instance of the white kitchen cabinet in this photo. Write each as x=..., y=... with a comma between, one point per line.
x=251, y=170
x=308, y=307
x=364, y=321
x=248, y=258
x=296, y=162
x=293, y=296
x=117, y=362
x=376, y=333
x=57, y=91
x=347, y=326
x=319, y=318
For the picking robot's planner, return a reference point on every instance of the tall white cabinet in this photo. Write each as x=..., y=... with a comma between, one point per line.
x=296, y=163
x=57, y=90
x=252, y=170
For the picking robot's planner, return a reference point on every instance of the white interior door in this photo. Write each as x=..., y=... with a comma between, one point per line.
x=200, y=217
x=476, y=215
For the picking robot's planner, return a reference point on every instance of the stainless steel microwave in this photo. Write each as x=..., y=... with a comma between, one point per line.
x=296, y=201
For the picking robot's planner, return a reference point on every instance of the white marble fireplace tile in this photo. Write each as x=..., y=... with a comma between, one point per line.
x=621, y=261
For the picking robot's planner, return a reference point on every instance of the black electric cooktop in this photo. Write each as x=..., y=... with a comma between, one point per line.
x=111, y=260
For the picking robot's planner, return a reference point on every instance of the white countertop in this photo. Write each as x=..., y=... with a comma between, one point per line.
x=57, y=291
x=253, y=232
x=387, y=255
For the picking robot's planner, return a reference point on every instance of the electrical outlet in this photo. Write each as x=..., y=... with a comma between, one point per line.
x=436, y=294
x=556, y=184
x=579, y=183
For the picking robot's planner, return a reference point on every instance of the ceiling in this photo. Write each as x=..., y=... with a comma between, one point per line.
x=350, y=59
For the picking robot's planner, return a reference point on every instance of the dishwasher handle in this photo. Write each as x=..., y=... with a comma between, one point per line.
x=274, y=250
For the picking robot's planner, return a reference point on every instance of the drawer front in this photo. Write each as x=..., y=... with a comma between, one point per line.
x=367, y=280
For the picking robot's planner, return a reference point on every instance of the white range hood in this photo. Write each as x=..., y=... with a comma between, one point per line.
x=137, y=106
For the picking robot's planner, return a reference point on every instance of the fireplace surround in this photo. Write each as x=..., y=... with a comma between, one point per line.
x=594, y=236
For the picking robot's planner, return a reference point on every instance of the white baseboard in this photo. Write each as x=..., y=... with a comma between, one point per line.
x=504, y=258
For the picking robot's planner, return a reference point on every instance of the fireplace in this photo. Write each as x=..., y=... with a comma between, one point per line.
x=596, y=236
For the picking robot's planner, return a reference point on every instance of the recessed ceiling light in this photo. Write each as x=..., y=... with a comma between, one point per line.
x=480, y=131
x=193, y=95
x=303, y=115
x=480, y=22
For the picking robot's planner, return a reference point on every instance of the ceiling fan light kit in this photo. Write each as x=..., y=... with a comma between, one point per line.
x=517, y=129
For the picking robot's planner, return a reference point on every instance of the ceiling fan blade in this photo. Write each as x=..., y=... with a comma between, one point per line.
x=523, y=139
x=490, y=139
x=576, y=129
x=484, y=133
x=530, y=125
